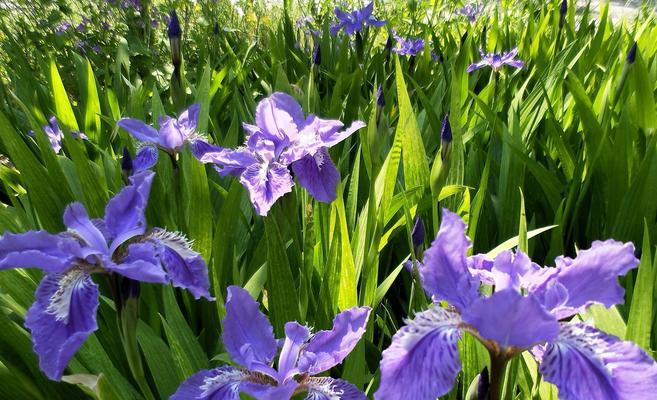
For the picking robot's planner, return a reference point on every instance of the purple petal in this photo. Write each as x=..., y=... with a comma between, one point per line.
x=171, y=137
x=61, y=318
x=510, y=55
x=266, y=184
x=585, y=363
x=188, y=119
x=477, y=65
x=259, y=391
x=329, y=134
x=295, y=336
x=592, y=277
x=510, y=319
x=509, y=270
x=186, y=267
x=326, y=388
x=124, y=213
x=138, y=129
x=422, y=361
x=140, y=264
x=279, y=117
x=146, y=158
x=318, y=175
x=327, y=349
x=444, y=270
x=78, y=222
x=221, y=383
x=38, y=249
x=248, y=336
x=228, y=162
x=515, y=63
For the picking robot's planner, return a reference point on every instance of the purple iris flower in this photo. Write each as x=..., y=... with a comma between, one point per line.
x=523, y=313
x=354, y=21
x=172, y=137
x=62, y=28
x=408, y=47
x=497, y=60
x=55, y=134
x=471, y=11
x=282, y=138
x=64, y=312
x=249, y=339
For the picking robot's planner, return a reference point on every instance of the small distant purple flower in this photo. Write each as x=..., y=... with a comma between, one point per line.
x=249, y=339
x=173, y=135
x=154, y=23
x=55, y=134
x=523, y=313
x=64, y=312
x=471, y=11
x=81, y=45
x=96, y=49
x=497, y=60
x=134, y=4
x=282, y=138
x=408, y=47
x=105, y=25
x=303, y=21
x=354, y=21
x=62, y=28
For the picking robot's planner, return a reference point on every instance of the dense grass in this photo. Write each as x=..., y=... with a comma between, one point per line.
x=548, y=158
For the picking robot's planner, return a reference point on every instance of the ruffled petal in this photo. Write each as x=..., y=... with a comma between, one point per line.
x=140, y=263
x=327, y=349
x=228, y=162
x=61, y=318
x=171, y=137
x=221, y=383
x=78, y=222
x=266, y=184
x=318, y=175
x=124, y=213
x=330, y=134
x=188, y=119
x=511, y=319
x=585, y=363
x=248, y=336
x=422, y=361
x=592, y=277
x=186, y=268
x=279, y=118
x=48, y=252
x=444, y=270
x=326, y=388
x=140, y=130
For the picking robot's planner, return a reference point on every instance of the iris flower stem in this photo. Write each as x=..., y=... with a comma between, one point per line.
x=497, y=367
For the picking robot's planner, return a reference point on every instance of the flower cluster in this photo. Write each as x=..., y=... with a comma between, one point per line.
x=55, y=135
x=408, y=46
x=524, y=312
x=302, y=355
x=470, y=11
x=497, y=60
x=64, y=312
x=282, y=138
x=355, y=20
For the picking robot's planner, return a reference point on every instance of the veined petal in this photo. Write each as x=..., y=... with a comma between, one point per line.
x=318, y=175
x=124, y=213
x=279, y=118
x=228, y=161
x=140, y=130
x=188, y=119
x=266, y=183
x=77, y=221
x=51, y=253
x=477, y=65
x=330, y=134
x=170, y=136
x=221, y=383
x=146, y=158
x=185, y=266
x=327, y=349
x=592, y=277
x=444, y=270
x=61, y=318
x=585, y=363
x=140, y=263
x=422, y=361
x=248, y=336
x=326, y=388
x=515, y=63
x=511, y=319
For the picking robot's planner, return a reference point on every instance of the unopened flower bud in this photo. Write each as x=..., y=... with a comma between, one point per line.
x=417, y=234
x=631, y=55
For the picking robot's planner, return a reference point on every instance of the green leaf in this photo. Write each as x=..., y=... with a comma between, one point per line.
x=639, y=321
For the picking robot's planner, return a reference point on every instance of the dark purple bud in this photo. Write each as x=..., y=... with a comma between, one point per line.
x=317, y=55
x=126, y=161
x=216, y=28
x=564, y=7
x=446, y=130
x=631, y=55
x=464, y=37
x=483, y=385
x=417, y=234
x=380, y=100
x=389, y=43
x=173, y=30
